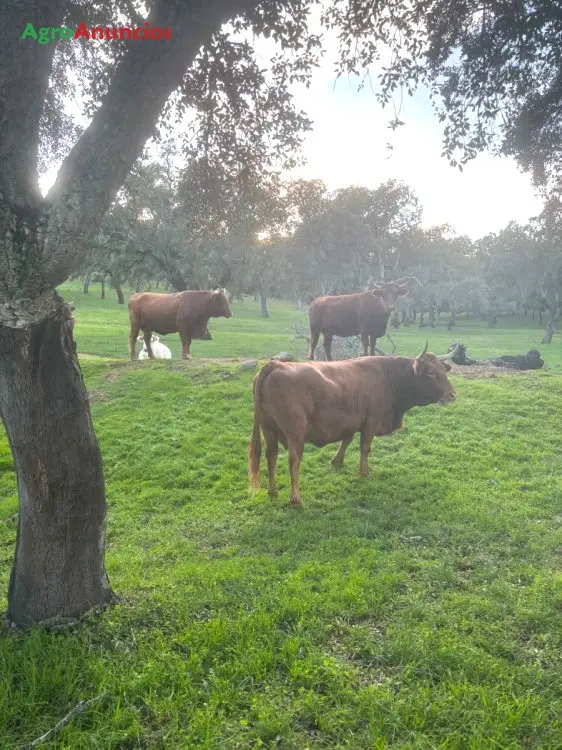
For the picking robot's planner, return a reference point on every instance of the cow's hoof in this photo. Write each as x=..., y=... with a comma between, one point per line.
x=365, y=474
x=337, y=463
x=274, y=492
x=295, y=503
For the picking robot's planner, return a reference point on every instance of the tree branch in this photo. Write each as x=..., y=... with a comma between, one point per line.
x=96, y=167
x=25, y=68
x=79, y=708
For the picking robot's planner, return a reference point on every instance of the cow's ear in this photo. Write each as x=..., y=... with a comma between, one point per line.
x=403, y=291
x=377, y=292
x=448, y=367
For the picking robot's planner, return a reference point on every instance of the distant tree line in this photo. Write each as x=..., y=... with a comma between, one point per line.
x=204, y=225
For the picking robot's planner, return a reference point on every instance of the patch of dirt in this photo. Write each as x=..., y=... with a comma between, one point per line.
x=97, y=395
x=474, y=372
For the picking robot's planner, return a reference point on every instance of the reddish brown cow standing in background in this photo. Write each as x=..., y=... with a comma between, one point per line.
x=365, y=314
x=327, y=402
x=186, y=313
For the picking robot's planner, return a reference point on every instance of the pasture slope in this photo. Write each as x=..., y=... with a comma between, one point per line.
x=418, y=609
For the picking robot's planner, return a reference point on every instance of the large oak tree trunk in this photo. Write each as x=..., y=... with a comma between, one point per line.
x=58, y=566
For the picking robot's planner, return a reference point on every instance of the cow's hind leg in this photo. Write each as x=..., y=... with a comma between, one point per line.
x=271, y=451
x=314, y=336
x=328, y=346
x=147, y=340
x=295, y=448
x=337, y=460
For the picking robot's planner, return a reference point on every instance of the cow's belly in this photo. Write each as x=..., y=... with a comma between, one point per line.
x=161, y=325
x=342, y=331
x=332, y=431
x=163, y=329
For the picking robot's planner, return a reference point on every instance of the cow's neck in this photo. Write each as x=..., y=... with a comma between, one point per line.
x=404, y=388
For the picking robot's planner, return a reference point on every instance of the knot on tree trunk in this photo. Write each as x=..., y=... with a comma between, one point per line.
x=23, y=313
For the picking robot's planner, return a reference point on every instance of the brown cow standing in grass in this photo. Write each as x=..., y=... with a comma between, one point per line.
x=365, y=314
x=326, y=402
x=186, y=313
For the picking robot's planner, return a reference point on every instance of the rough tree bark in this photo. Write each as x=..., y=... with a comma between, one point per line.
x=264, y=312
x=102, y=293
x=85, y=285
x=58, y=565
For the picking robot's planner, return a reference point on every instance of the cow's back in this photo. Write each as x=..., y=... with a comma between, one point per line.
x=330, y=399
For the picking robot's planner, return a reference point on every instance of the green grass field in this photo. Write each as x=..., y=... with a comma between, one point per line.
x=421, y=608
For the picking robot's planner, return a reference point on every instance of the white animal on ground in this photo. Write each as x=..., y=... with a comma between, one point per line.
x=159, y=350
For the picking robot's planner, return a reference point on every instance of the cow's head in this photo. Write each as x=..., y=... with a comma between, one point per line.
x=219, y=304
x=389, y=293
x=431, y=385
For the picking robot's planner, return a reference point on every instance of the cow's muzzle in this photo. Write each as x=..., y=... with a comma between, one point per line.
x=448, y=398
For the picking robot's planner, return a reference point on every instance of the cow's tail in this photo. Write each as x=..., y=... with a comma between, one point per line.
x=254, y=447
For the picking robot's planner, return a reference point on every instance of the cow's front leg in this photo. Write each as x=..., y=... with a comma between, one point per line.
x=185, y=344
x=295, y=454
x=365, y=448
x=373, y=344
x=337, y=460
x=147, y=340
x=271, y=451
x=328, y=346
x=365, y=342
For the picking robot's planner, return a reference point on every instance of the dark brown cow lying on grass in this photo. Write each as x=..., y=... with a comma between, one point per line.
x=327, y=402
x=186, y=313
x=365, y=314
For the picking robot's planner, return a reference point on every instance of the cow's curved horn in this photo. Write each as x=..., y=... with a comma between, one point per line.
x=403, y=279
x=424, y=351
x=450, y=355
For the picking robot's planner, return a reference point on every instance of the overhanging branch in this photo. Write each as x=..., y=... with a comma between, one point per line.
x=96, y=167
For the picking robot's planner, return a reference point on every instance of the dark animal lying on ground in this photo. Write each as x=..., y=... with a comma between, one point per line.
x=530, y=361
x=327, y=402
x=461, y=357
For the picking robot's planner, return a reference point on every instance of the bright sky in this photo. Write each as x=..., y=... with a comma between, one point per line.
x=348, y=147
